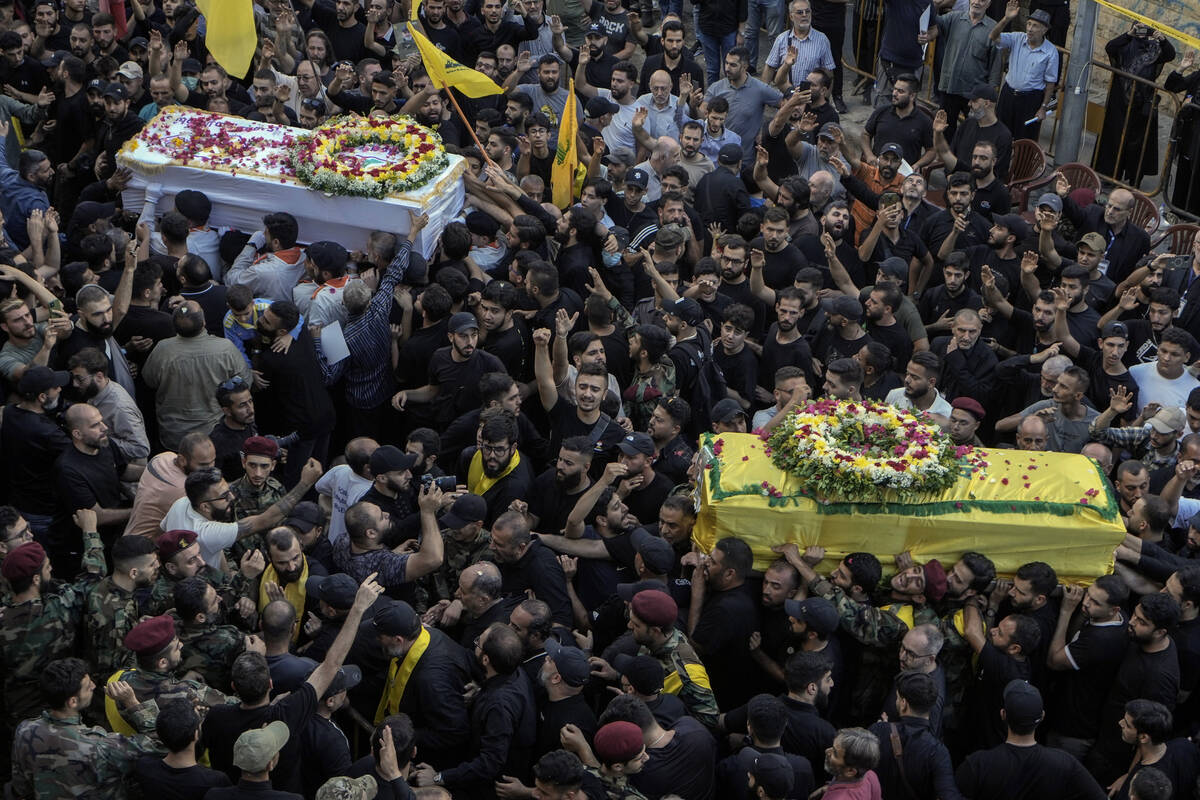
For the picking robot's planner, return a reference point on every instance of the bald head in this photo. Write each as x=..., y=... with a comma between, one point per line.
x=1031, y=433
x=188, y=319
x=278, y=618
x=80, y=416
x=358, y=455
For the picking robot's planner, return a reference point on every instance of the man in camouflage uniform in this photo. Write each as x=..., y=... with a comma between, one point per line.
x=56, y=755
x=464, y=542
x=179, y=558
x=652, y=617
x=878, y=627
x=159, y=655
x=256, y=490
x=208, y=647
x=40, y=624
x=971, y=575
x=619, y=748
x=115, y=605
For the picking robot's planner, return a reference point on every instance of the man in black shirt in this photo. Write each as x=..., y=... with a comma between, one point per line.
x=722, y=616
x=564, y=673
x=177, y=776
x=1020, y=767
x=901, y=122
x=497, y=471
x=1127, y=242
x=236, y=426
x=920, y=767
x=643, y=489
x=721, y=195
x=528, y=564
x=32, y=441
x=1090, y=659
x=454, y=372
x=252, y=681
x=959, y=226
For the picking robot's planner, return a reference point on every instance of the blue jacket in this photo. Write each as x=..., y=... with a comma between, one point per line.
x=18, y=199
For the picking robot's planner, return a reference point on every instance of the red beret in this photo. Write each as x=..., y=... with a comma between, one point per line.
x=151, y=636
x=260, y=446
x=935, y=580
x=24, y=561
x=971, y=406
x=172, y=543
x=655, y=608
x=618, y=742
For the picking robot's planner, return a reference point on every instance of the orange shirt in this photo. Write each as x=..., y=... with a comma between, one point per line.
x=864, y=217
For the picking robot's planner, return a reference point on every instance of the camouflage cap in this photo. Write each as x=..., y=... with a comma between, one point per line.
x=343, y=788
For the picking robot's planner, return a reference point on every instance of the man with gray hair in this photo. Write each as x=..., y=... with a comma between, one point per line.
x=851, y=762
x=180, y=368
x=664, y=155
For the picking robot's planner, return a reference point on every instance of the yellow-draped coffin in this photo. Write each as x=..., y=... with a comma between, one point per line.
x=1020, y=507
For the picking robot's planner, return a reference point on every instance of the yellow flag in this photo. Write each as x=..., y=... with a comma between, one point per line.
x=444, y=69
x=566, y=155
x=414, y=11
x=230, y=34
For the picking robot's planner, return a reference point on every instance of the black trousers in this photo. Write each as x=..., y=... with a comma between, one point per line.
x=1017, y=108
x=953, y=105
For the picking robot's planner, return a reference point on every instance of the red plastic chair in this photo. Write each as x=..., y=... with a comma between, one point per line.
x=1028, y=164
x=1145, y=213
x=1178, y=237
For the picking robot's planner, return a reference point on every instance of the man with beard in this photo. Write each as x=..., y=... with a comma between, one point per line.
x=548, y=96
x=672, y=453
x=1149, y=670
x=179, y=559
x=114, y=605
x=80, y=45
x=939, y=304
x=32, y=441
x=87, y=475
x=391, y=489
x=748, y=97
x=883, y=303
x=454, y=371
x=503, y=727
x=236, y=426
x=105, y=39
x=497, y=471
x=527, y=564
x=618, y=134
x=784, y=344
x=674, y=60
x=781, y=259
x=159, y=656
x=286, y=576
x=991, y=195
x=499, y=331
x=919, y=392
x=496, y=30
x=837, y=229
x=1090, y=660
x=902, y=123
x=887, y=239
x=869, y=180
x=24, y=189
x=270, y=263
x=774, y=641
x=582, y=417
x=369, y=547
x=697, y=164
x=209, y=646
x=382, y=96
x=960, y=226
x=207, y=509
x=438, y=29
x=121, y=415
x=1089, y=252
x=343, y=28
x=919, y=650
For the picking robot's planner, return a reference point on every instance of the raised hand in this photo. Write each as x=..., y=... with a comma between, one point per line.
x=1029, y=262
x=1120, y=400
x=1062, y=186
x=940, y=121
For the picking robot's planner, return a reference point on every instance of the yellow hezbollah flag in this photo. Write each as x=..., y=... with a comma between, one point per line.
x=445, y=70
x=566, y=155
x=230, y=34
x=414, y=12
x=1021, y=507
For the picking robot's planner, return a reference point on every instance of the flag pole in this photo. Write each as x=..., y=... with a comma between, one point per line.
x=467, y=124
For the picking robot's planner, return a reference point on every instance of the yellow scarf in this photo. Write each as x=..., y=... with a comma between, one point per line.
x=477, y=482
x=398, y=675
x=294, y=592
x=115, y=720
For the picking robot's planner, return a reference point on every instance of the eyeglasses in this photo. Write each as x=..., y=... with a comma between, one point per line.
x=313, y=103
x=495, y=449
x=233, y=384
x=914, y=654
x=226, y=495
x=23, y=535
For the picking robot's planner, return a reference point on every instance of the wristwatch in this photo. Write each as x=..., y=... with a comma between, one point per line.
x=437, y=779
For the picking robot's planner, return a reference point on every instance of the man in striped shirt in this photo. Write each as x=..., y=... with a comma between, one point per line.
x=368, y=368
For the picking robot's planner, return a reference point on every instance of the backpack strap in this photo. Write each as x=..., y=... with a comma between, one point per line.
x=898, y=754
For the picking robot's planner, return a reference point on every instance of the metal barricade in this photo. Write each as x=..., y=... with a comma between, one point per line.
x=867, y=32
x=1135, y=134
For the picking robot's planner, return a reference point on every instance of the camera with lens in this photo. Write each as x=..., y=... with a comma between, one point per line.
x=284, y=442
x=447, y=483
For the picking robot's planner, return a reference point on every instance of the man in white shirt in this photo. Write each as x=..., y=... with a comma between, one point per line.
x=919, y=392
x=1166, y=381
x=207, y=509
x=345, y=484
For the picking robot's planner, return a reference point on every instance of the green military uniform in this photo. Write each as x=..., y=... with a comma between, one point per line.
x=443, y=582
x=230, y=588
x=616, y=788
x=686, y=677
x=41, y=630
x=163, y=687
x=210, y=650
x=55, y=758
x=880, y=629
x=957, y=660
x=112, y=612
x=248, y=502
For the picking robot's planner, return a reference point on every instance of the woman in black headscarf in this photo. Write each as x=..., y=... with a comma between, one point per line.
x=1132, y=106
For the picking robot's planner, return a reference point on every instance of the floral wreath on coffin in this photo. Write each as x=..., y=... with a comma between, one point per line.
x=866, y=452
x=369, y=156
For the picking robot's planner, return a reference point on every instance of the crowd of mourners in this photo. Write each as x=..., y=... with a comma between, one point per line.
x=458, y=561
